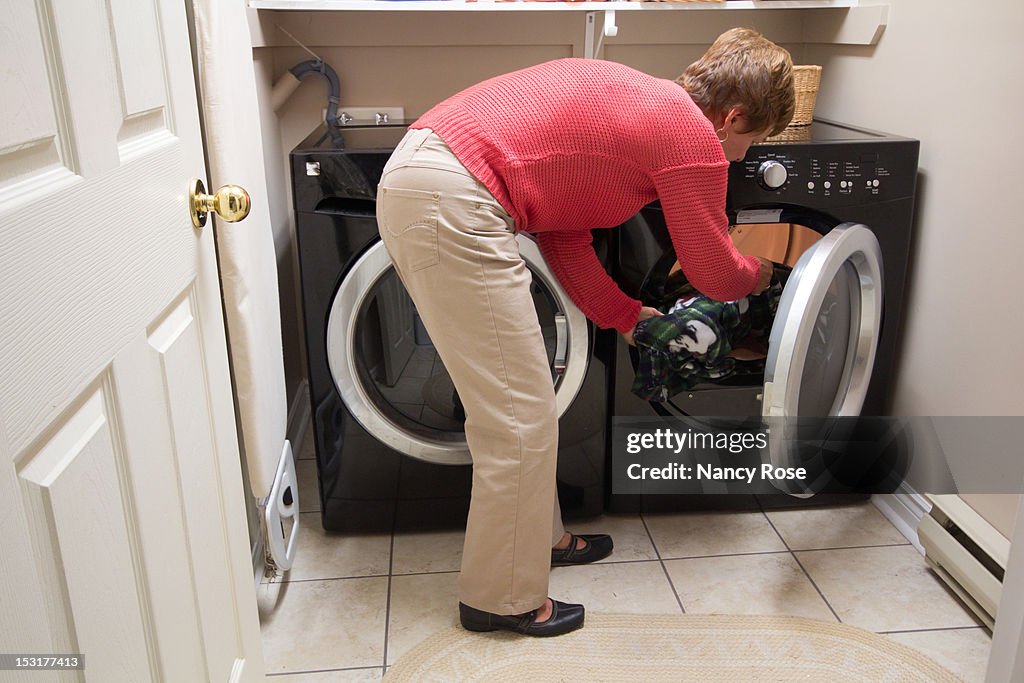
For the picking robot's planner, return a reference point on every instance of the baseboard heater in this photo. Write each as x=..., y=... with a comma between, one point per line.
x=966, y=551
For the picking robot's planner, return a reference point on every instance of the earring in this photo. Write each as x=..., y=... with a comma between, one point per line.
x=719, y=131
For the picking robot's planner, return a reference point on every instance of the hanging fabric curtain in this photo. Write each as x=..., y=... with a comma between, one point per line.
x=247, y=258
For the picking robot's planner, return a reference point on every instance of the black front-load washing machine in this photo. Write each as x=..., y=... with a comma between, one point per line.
x=836, y=204
x=390, y=447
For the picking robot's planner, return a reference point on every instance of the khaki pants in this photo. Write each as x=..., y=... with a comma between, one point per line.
x=455, y=250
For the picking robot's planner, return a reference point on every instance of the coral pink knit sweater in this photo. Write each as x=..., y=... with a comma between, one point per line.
x=575, y=144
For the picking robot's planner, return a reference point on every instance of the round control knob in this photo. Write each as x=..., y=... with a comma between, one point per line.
x=772, y=175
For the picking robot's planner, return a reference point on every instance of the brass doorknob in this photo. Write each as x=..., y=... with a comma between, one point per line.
x=230, y=202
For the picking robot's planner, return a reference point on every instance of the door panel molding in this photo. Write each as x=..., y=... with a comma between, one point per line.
x=78, y=506
x=178, y=341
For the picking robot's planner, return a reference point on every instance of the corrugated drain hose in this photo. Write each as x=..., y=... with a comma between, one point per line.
x=285, y=86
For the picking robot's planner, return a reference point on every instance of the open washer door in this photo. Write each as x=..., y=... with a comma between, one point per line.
x=389, y=376
x=822, y=346
x=823, y=342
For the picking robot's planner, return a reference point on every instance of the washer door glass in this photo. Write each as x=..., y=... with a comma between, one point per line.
x=823, y=342
x=390, y=377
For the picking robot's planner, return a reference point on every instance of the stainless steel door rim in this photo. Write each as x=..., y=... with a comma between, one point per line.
x=800, y=307
x=572, y=344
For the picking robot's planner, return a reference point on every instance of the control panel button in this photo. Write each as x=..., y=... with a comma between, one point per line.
x=843, y=184
x=810, y=184
x=772, y=175
x=828, y=185
x=875, y=182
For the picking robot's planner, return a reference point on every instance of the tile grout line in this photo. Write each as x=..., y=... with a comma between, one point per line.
x=664, y=569
x=659, y=558
x=930, y=630
x=852, y=547
x=322, y=671
x=333, y=578
x=798, y=562
x=709, y=557
x=387, y=606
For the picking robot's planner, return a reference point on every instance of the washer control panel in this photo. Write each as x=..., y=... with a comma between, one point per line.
x=825, y=174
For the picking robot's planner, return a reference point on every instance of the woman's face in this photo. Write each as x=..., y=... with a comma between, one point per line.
x=737, y=144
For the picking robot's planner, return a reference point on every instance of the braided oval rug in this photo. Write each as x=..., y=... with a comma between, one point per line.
x=682, y=647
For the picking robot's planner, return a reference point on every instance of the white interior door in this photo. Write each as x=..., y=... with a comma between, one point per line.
x=124, y=534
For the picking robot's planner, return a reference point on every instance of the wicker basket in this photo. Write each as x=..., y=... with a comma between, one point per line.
x=806, y=79
x=793, y=133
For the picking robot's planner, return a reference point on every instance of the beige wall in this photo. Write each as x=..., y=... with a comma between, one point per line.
x=948, y=73
x=281, y=219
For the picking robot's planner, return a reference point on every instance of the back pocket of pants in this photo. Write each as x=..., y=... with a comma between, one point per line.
x=408, y=221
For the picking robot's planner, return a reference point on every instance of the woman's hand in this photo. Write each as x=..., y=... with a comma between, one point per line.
x=645, y=313
x=765, y=276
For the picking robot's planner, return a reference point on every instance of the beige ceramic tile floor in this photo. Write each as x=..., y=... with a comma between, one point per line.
x=352, y=605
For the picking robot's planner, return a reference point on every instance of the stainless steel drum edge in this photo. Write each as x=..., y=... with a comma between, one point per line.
x=341, y=360
x=342, y=319
x=802, y=297
x=578, y=355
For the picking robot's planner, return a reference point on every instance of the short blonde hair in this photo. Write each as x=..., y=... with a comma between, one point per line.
x=744, y=69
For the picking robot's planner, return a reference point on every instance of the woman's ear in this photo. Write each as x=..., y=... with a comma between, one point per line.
x=735, y=120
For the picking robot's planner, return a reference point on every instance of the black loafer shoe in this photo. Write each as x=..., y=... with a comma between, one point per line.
x=564, y=618
x=598, y=547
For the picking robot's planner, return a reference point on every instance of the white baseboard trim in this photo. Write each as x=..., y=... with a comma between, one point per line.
x=905, y=509
x=299, y=413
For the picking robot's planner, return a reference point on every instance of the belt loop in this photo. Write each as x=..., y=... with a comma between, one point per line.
x=424, y=136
